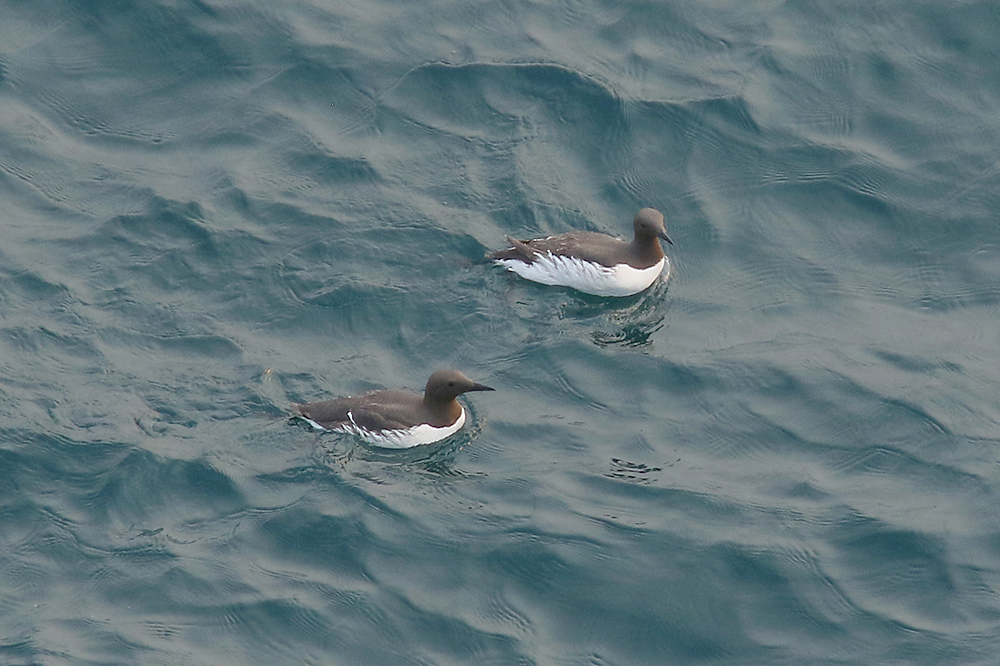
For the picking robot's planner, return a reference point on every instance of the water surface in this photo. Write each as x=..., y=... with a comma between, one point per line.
x=785, y=454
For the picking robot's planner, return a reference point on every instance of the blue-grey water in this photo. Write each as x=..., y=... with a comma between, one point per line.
x=787, y=453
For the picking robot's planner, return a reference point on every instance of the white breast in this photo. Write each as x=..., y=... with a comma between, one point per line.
x=586, y=276
x=398, y=439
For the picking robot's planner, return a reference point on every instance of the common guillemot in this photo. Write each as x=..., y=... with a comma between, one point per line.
x=397, y=419
x=591, y=262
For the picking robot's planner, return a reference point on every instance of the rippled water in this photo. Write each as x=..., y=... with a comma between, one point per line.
x=785, y=454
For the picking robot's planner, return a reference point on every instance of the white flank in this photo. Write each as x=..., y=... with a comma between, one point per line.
x=398, y=439
x=586, y=276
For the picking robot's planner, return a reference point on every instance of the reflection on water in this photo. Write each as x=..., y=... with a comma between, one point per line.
x=625, y=470
x=629, y=321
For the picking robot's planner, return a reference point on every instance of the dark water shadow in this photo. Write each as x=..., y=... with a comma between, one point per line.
x=629, y=321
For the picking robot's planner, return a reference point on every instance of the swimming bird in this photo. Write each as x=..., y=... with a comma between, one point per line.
x=397, y=419
x=590, y=262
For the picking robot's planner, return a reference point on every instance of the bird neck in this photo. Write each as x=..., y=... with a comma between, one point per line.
x=648, y=248
x=443, y=412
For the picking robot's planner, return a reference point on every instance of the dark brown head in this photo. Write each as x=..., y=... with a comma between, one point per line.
x=649, y=228
x=649, y=224
x=446, y=385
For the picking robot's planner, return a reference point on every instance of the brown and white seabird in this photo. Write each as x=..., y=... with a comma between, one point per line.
x=591, y=262
x=397, y=419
